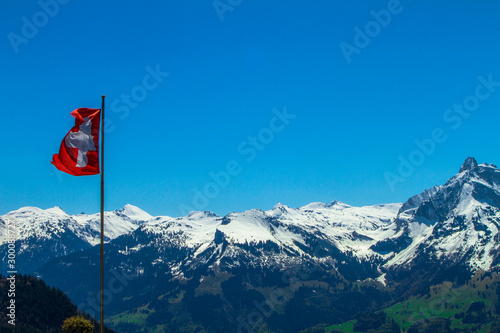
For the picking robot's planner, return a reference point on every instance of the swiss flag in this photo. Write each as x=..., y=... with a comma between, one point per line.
x=79, y=152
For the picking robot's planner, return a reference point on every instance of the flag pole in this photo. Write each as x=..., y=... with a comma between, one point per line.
x=102, y=215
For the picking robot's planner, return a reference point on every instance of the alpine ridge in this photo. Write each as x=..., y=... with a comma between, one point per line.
x=456, y=222
x=42, y=235
x=446, y=233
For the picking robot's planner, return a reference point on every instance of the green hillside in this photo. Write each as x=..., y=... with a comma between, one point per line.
x=472, y=307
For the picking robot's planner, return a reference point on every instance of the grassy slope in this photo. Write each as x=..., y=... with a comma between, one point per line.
x=444, y=301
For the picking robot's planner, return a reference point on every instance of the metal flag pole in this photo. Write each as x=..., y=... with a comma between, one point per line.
x=102, y=215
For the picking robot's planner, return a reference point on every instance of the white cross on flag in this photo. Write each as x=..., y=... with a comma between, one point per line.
x=79, y=151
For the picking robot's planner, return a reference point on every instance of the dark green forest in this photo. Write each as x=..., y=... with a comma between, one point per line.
x=39, y=308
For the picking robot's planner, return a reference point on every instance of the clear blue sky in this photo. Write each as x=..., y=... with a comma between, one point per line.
x=357, y=112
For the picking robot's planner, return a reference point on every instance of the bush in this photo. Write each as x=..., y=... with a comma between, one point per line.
x=77, y=324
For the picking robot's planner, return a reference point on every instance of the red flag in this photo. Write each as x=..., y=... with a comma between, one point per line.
x=79, y=152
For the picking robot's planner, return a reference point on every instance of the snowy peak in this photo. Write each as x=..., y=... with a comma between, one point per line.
x=201, y=215
x=457, y=221
x=336, y=205
x=469, y=164
x=29, y=211
x=473, y=185
x=135, y=214
x=56, y=211
x=278, y=210
x=281, y=207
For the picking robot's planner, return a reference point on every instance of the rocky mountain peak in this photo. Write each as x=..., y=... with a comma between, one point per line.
x=469, y=164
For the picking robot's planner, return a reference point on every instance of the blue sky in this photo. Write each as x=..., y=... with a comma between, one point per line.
x=261, y=96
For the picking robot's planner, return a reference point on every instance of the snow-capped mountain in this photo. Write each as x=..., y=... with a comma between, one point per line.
x=42, y=235
x=455, y=223
x=330, y=234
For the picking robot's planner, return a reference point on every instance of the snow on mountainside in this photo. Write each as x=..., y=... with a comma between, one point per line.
x=353, y=228
x=46, y=234
x=329, y=234
x=457, y=222
x=453, y=224
x=32, y=222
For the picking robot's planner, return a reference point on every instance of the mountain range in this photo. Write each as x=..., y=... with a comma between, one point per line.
x=43, y=235
x=169, y=267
